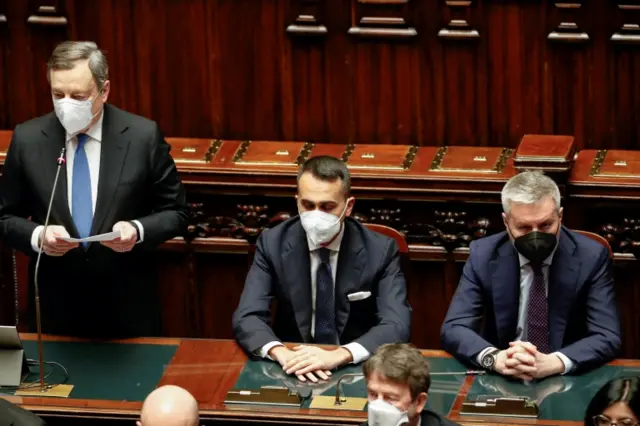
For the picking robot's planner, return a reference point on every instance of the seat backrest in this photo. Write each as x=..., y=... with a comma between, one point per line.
x=403, y=247
x=596, y=237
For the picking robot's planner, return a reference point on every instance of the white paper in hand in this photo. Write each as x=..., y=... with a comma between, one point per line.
x=109, y=236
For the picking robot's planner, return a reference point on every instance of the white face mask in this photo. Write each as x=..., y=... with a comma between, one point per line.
x=381, y=413
x=74, y=115
x=321, y=227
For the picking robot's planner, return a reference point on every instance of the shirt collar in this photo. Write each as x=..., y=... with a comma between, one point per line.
x=94, y=132
x=333, y=246
x=524, y=261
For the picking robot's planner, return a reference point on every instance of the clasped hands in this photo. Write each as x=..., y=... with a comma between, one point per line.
x=310, y=362
x=522, y=360
x=54, y=245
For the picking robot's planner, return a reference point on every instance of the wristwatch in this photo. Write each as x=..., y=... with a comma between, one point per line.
x=488, y=361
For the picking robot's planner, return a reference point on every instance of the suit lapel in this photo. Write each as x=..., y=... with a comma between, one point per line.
x=113, y=151
x=60, y=213
x=297, y=275
x=563, y=275
x=351, y=261
x=506, y=291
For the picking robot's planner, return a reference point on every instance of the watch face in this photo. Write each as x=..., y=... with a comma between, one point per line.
x=488, y=360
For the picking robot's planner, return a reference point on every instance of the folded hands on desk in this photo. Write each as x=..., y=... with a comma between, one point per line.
x=522, y=360
x=310, y=362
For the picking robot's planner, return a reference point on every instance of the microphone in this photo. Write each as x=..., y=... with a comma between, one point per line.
x=61, y=160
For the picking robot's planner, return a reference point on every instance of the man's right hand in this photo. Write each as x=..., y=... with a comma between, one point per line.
x=53, y=245
x=518, y=367
x=282, y=354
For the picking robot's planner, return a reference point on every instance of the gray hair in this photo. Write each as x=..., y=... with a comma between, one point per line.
x=529, y=188
x=67, y=53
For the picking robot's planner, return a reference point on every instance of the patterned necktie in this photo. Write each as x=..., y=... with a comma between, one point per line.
x=81, y=201
x=325, y=331
x=538, y=312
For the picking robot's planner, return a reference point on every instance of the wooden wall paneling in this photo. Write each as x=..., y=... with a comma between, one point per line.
x=306, y=18
x=384, y=48
x=112, y=27
x=221, y=280
x=47, y=25
x=568, y=64
x=427, y=297
x=5, y=111
x=624, y=64
x=466, y=124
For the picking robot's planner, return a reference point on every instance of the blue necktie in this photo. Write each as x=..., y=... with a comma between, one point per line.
x=325, y=331
x=81, y=202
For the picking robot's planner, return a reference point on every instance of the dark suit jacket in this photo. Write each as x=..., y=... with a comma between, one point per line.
x=281, y=269
x=583, y=315
x=429, y=418
x=97, y=291
x=12, y=415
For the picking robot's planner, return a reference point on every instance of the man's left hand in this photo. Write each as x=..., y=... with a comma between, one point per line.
x=127, y=239
x=313, y=358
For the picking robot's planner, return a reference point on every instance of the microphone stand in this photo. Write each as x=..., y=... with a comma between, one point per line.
x=61, y=160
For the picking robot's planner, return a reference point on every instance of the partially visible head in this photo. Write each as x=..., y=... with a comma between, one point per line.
x=616, y=402
x=531, y=202
x=79, y=70
x=169, y=406
x=324, y=184
x=398, y=374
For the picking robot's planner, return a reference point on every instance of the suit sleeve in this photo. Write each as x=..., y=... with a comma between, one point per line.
x=458, y=335
x=394, y=312
x=15, y=228
x=251, y=319
x=603, y=341
x=169, y=210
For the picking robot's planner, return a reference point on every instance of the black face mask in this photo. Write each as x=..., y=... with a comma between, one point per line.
x=536, y=246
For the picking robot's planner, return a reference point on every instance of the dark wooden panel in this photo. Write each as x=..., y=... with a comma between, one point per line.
x=474, y=73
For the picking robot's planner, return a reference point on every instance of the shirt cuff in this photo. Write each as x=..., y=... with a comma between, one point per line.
x=568, y=364
x=140, y=231
x=34, y=238
x=358, y=352
x=264, y=351
x=482, y=354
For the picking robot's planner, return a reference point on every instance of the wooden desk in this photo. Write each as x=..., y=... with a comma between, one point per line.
x=209, y=368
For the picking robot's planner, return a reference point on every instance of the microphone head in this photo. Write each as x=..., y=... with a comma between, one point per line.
x=61, y=160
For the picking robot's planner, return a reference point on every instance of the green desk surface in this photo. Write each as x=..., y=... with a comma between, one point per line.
x=559, y=398
x=442, y=393
x=108, y=371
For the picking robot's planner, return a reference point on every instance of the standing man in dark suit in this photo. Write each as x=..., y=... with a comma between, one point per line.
x=334, y=282
x=118, y=176
x=545, y=293
x=12, y=415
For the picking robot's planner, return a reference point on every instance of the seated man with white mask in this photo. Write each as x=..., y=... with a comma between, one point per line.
x=397, y=386
x=334, y=281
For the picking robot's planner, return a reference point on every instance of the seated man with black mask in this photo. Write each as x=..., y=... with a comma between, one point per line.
x=545, y=293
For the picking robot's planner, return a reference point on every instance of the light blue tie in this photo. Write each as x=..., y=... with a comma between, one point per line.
x=81, y=203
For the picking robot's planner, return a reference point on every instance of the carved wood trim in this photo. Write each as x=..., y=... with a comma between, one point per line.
x=458, y=16
x=381, y=19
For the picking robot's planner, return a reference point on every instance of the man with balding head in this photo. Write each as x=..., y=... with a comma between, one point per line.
x=169, y=406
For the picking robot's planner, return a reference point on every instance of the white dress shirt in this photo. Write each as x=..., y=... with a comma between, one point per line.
x=526, y=281
x=92, y=148
x=358, y=352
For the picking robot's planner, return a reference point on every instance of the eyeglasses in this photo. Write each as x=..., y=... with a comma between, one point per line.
x=601, y=420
